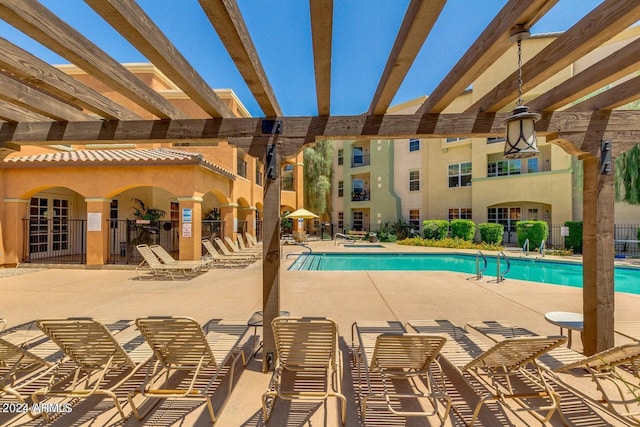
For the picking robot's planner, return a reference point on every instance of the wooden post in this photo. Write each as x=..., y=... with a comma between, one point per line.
x=271, y=254
x=598, y=256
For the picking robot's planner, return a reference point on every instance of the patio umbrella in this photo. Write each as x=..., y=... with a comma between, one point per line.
x=302, y=213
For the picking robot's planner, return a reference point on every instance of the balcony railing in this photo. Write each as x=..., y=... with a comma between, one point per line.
x=360, y=160
x=287, y=183
x=360, y=196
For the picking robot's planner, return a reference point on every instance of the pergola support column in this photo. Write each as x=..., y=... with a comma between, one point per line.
x=271, y=254
x=598, y=256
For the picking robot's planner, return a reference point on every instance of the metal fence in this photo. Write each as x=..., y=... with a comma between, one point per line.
x=125, y=235
x=626, y=239
x=59, y=241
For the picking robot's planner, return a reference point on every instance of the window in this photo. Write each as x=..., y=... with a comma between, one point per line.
x=455, y=139
x=505, y=216
x=358, y=220
x=504, y=167
x=414, y=180
x=358, y=156
x=414, y=219
x=414, y=145
x=495, y=140
x=288, y=167
x=258, y=174
x=242, y=168
x=340, y=188
x=460, y=213
x=532, y=165
x=340, y=156
x=113, y=213
x=174, y=214
x=460, y=174
x=341, y=221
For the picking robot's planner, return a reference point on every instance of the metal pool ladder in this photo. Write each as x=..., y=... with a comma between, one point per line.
x=500, y=274
x=479, y=271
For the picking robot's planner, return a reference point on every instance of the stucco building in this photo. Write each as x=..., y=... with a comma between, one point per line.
x=91, y=204
x=378, y=181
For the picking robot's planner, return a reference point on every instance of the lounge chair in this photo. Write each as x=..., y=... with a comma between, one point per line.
x=157, y=269
x=251, y=239
x=20, y=369
x=386, y=351
x=494, y=367
x=498, y=330
x=180, y=344
x=233, y=247
x=617, y=376
x=225, y=251
x=223, y=260
x=308, y=355
x=245, y=248
x=166, y=258
x=102, y=363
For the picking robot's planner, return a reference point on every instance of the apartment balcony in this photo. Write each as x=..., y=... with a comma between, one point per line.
x=360, y=196
x=360, y=160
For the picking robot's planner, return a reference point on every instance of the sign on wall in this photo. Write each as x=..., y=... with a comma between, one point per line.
x=187, y=215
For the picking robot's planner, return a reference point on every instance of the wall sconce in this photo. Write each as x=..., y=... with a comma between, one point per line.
x=520, y=138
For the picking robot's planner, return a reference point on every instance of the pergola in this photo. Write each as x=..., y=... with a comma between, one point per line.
x=40, y=105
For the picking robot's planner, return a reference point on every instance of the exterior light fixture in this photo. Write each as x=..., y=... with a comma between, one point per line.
x=520, y=138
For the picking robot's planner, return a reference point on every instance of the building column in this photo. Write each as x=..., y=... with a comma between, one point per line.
x=228, y=214
x=13, y=231
x=97, y=230
x=190, y=238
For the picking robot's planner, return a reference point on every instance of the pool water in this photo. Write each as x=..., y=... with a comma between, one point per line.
x=627, y=279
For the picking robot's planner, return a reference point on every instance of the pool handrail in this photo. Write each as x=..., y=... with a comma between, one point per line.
x=344, y=236
x=479, y=271
x=300, y=253
x=525, y=247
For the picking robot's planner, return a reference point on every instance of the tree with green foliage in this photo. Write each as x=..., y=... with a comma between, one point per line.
x=627, y=176
x=318, y=169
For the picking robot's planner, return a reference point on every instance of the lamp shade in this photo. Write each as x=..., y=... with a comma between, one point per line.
x=520, y=140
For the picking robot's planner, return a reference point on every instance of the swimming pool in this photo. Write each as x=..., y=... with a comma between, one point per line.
x=627, y=279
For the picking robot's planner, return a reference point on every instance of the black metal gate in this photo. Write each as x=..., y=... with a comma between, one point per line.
x=125, y=235
x=59, y=241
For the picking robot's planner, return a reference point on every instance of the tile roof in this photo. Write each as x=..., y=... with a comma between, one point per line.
x=166, y=156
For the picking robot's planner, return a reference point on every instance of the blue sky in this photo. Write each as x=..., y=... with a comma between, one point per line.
x=363, y=30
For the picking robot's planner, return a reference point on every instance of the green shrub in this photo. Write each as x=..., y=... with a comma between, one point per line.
x=574, y=239
x=491, y=233
x=435, y=229
x=535, y=231
x=450, y=244
x=385, y=233
x=463, y=228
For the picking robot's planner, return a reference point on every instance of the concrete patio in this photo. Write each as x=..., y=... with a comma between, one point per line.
x=344, y=296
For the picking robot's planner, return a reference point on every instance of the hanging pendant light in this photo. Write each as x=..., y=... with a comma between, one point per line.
x=520, y=138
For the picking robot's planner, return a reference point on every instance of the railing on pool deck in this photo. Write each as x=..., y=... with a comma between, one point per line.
x=300, y=253
x=501, y=274
x=479, y=271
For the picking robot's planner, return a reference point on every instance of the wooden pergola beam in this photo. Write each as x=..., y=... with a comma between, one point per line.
x=13, y=113
x=322, y=37
x=137, y=28
x=418, y=21
x=28, y=68
x=488, y=47
x=311, y=128
x=34, y=20
x=605, y=21
x=22, y=95
x=615, y=97
x=608, y=70
x=228, y=22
